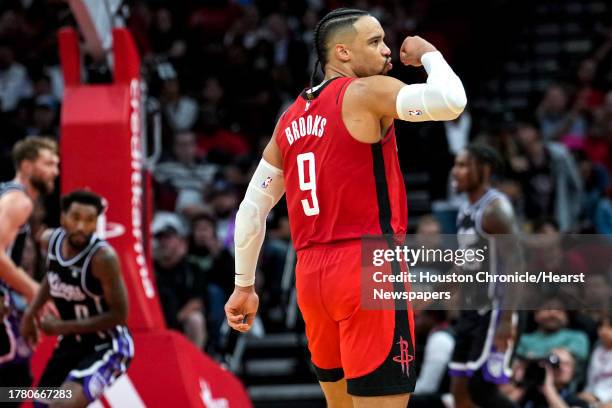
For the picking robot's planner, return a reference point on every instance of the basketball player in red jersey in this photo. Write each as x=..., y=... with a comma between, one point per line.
x=334, y=154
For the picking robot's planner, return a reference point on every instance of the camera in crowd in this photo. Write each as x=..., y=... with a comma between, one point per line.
x=535, y=370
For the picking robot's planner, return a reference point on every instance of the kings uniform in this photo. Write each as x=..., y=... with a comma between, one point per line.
x=97, y=359
x=475, y=328
x=14, y=352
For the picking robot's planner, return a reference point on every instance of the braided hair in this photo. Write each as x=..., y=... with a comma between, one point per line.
x=485, y=155
x=328, y=25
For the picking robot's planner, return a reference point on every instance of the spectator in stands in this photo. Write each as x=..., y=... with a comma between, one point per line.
x=428, y=235
x=219, y=143
x=595, y=180
x=44, y=117
x=560, y=122
x=586, y=75
x=598, y=145
x=180, y=111
x=166, y=38
x=598, y=390
x=552, y=332
x=223, y=200
x=16, y=84
x=179, y=282
x=556, y=389
x=547, y=253
x=603, y=214
x=433, y=380
x=185, y=175
x=549, y=177
x=217, y=266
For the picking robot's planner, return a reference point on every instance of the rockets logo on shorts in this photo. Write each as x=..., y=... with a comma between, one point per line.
x=415, y=112
x=404, y=358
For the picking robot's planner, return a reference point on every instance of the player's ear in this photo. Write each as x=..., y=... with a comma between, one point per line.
x=26, y=166
x=342, y=52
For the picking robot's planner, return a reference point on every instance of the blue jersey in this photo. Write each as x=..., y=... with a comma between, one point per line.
x=12, y=345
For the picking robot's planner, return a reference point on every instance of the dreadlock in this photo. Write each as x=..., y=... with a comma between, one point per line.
x=328, y=25
x=485, y=155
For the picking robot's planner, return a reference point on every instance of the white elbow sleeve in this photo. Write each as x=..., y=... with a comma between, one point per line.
x=441, y=98
x=264, y=191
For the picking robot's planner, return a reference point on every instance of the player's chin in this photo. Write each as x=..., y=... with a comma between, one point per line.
x=78, y=241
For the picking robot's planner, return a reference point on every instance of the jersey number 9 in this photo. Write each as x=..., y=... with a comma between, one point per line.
x=308, y=160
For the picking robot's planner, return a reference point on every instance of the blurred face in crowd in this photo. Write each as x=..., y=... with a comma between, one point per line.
x=212, y=91
x=608, y=102
x=171, y=89
x=555, y=99
x=564, y=374
x=42, y=86
x=277, y=26
x=362, y=46
x=6, y=57
x=605, y=333
x=428, y=233
x=170, y=248
x=44, y=118
x=163, y=20
x=224, y=203
x=465, y=173
x=551, y=317
x=80, y=222
x=587, y=70
x=42, y=171
x=528, y=137
x=185, y=148
x=548, y=242
x=204, y=233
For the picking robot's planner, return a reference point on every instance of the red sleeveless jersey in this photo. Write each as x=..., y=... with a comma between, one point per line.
x=337, y=188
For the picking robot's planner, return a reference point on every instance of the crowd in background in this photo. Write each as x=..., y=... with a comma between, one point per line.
x=222, y=72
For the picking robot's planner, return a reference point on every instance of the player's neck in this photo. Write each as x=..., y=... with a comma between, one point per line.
x=334, y=72
x=68, y=251
x=476, y=194
x=30, y=190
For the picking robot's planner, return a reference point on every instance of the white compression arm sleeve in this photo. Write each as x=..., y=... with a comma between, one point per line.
x=441, y=98
x=265, y=189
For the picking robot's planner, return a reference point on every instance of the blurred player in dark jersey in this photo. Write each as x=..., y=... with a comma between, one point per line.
x=36, y=165
x=334, y=153
x=485, y=336
x=84, y=281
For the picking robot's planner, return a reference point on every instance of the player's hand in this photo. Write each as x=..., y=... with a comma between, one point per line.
x=29, y=331
x=413, y=49
x=50, y=325
x=241, y=308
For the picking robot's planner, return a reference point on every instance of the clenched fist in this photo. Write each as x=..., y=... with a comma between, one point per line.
x=241, y=308
x=413, y=49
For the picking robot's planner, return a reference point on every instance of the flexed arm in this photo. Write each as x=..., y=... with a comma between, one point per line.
x=442, y=97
